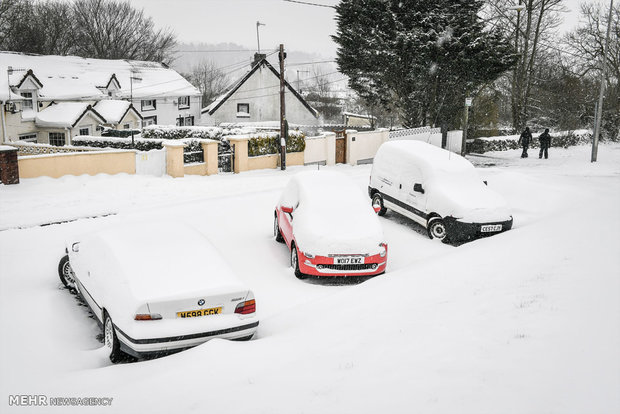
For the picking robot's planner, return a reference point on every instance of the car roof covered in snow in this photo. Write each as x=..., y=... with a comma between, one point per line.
x=430, y=159
x=164, y=260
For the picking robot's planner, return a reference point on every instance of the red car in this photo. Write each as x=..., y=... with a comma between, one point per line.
x=329, y=227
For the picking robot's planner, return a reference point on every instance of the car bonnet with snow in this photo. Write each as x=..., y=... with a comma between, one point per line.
x=332, y=216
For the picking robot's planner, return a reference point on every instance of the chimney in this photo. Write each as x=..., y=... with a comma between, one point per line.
x=257, y=58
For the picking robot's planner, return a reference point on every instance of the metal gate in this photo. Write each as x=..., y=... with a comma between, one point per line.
x=151, y=162
x=226, y=157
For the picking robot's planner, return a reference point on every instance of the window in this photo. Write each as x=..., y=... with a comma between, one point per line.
x=183, y=102
x=28, y=137
x=126, y=126
x=84, y=130
x=189, y=121
x=180, y=121
x=151, y=120
x=149, y=104
x=27, y=103
x=243, y=110
x=57, y=138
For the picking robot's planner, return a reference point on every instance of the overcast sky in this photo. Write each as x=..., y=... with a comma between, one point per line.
x=299, y=27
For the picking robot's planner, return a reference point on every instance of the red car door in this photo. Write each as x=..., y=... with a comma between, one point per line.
x=285, y=221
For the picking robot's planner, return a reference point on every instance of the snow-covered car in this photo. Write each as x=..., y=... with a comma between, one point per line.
x=438, y=189
x=329, y=228
x=157, y=288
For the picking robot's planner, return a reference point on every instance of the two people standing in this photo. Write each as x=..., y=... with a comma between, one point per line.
x=526, y=138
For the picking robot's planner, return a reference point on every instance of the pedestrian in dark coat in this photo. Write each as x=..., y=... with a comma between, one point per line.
x=524, y=141
x=545, y=143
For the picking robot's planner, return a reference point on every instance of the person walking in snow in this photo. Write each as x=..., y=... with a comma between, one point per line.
x=524, y=141
x=545, y=143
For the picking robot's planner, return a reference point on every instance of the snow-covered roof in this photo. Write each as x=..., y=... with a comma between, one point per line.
x=213, y=106
x=65, y=114
x=113, y=110
x=73, y=77
x=351, y=114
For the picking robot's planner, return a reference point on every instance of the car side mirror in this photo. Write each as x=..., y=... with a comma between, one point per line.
x=287, y=209
x=417, y=187
x=485, y=182
x=75, y=247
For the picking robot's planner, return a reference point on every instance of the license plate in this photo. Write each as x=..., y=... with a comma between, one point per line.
x=349, y=260
x=491, y=227
x=199, y=312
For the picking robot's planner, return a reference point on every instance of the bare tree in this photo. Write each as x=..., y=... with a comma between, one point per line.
x=111, y=29
x=209, y=79
x=533, y=29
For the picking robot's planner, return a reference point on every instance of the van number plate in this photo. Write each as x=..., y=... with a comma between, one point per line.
x=490, y=228
x=349, y=260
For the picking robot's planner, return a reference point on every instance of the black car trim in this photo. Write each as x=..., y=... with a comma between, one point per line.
x=91, y=296
x=186, y=337
x=403, y=205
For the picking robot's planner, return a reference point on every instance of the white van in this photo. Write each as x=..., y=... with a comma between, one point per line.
x=436, y=188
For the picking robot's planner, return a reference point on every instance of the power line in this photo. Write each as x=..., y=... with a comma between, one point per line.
x=311, y=4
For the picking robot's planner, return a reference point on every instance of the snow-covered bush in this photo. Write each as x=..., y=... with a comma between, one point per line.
x=268, y=143
x=558, y=139
x=119, y=133
x=181, y=132
x=141, y=144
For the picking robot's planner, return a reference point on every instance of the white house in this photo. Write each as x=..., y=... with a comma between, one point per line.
x=256, y=98
x=29, y=84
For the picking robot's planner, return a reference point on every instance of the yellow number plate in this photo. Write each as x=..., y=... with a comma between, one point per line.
x=199, y=312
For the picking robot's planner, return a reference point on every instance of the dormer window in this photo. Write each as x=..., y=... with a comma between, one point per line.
x=27, y=103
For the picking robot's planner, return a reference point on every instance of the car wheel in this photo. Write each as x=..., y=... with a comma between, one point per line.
x=276, y=229
x=295, y=263
x=67, y=277
x=437, y=229
x=377, y=204
x=111, y=342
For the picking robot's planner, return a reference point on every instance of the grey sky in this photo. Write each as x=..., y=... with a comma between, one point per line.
x=299, y=27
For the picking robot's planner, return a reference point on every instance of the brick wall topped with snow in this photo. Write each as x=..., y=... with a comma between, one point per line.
x=9, y=170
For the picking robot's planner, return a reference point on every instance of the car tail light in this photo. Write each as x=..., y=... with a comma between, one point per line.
x=246, y=307
x=384, y=250
x=147, y=316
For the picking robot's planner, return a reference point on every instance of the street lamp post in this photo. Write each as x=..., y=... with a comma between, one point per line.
x=257, y=36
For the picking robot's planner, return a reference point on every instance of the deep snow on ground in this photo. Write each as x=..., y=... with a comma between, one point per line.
x=527, y=321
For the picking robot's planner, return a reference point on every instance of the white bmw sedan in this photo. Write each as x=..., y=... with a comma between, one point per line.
x=157, y=289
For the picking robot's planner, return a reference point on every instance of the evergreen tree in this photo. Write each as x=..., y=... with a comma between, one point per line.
x=423, y=57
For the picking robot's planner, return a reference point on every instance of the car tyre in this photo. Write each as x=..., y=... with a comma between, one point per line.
x=276, y=229
x=65, y=272
x=295, y=263
x=377, y=204
x=110, y=339
x=437, y=229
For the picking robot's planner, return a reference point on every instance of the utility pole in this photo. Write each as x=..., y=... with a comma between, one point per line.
x=132, y=77
x=599, y=107
x=283, y=122
x=257, y=37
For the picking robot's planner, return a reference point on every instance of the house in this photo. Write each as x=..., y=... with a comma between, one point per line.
x=256, y=98
x=37, y=91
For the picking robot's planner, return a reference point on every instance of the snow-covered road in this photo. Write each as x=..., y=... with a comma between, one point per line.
x=524, y=322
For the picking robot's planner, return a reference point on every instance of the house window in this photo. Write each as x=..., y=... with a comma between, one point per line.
x=28, y=137
x=149, y=104
x=243, y=110
x=84, y=130
x=27, y=103
x=57, y=138
x=150, y=120
x=189, y=121
x=183, y=102
x=126, y=126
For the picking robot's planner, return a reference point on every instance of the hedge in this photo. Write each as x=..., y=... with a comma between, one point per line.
x=141, y=144
x=560, y=139
x=268, y=144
